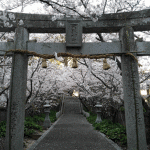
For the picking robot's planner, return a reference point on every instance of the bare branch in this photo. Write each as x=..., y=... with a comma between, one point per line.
x=104, y=6
x=31, y=82
x=97, y=76
x=85, y=5
x=2, y=35
x=100, y=37
x=145, y=79
x=2, y=92
x=51, y=3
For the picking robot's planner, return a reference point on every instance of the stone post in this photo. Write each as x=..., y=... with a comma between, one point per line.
x=17, y=95
x=47, y=122
x=135, y=128
x=98, y=110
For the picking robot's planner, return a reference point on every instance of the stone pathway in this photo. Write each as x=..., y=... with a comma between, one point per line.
x=73, y=132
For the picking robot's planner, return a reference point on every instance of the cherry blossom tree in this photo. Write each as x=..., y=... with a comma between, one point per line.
x=88, y=78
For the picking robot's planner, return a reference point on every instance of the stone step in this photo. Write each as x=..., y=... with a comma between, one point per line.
x=71, y=106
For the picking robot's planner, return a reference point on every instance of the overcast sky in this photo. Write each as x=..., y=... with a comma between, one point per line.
x=147, y=2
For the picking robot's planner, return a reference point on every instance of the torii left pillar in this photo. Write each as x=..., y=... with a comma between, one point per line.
x=16, y=104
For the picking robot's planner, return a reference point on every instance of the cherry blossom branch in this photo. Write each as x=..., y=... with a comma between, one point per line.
x=104, y=6
x=31, y=82
x=2, y=92
x=51, y=3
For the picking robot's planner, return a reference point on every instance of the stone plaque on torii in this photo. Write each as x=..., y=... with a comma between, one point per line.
x=124, y=23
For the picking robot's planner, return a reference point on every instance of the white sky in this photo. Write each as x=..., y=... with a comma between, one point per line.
x=31, y=8
x=39, y=6
x=147, y=2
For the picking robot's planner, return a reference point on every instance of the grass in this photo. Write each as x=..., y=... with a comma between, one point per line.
x=31, y=124
x=114, y=131
x=2, y=128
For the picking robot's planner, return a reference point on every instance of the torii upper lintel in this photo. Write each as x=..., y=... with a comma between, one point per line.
x=37, y=23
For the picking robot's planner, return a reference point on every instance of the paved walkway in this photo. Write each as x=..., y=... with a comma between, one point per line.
x=73, y=132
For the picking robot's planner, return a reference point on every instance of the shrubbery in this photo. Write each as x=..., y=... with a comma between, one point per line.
x=113, y=131
x=2, y=128
x=31, y=124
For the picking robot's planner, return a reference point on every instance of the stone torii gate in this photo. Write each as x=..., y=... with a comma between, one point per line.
x=124, y=23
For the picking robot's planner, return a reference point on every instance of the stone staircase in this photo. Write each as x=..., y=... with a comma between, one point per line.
x=72, y=105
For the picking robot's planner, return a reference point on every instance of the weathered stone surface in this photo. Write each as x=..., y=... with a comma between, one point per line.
x=73, y=33
x=35, y=23
x=16, y=108
x=135, y=126
x=142, y=48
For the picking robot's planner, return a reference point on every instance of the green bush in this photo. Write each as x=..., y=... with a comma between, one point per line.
x=31, y=124
x=113, y=131
x=92, y=118
x=39, y=119
x=36, y=119
x=144, y=110
x=2, y=128
x=28, y=132
x=122, y=108
x=53, y=116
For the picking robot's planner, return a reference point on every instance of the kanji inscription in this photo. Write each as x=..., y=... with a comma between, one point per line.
x=73, y=33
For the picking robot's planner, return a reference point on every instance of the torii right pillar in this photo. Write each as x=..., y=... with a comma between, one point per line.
x=135, y=127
